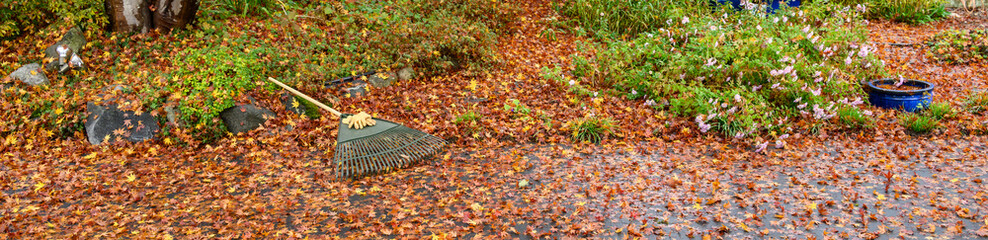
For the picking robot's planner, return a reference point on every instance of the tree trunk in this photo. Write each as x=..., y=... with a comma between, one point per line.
x=144, y=15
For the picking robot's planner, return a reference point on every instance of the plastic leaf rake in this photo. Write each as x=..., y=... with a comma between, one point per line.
x=383, y=147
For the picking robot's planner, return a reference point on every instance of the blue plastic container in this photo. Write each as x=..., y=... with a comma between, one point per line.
x=776, y=4
x=908, y=101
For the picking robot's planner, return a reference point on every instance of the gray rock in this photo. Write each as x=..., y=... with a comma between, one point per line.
x=108, y=124
x=381, y=80
x=406, y=74
x=31, y=74
x=356, y=91
x=174, y=116
x=74, y=38
x=293, y=104
x=245, y=117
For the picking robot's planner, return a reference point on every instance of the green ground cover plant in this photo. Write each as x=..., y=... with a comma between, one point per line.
x=959, y=46
x=739, y=73
x=20, y=17
x=908, y=11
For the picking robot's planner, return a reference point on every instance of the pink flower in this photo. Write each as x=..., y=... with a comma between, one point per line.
x=761, y=147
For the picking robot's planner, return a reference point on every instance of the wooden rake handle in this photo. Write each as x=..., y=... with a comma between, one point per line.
x=306, y=97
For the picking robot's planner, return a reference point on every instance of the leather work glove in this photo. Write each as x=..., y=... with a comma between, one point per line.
x=359, y=120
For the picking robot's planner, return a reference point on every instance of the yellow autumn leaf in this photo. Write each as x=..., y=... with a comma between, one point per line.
x=90, y=156
x=31, y=208
x=473, y=85
x=812, y=206
x=131, y=177
x=38, y=186
x=476, y=207
x=880, y=196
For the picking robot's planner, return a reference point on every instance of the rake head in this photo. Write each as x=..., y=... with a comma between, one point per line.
x=382, y=147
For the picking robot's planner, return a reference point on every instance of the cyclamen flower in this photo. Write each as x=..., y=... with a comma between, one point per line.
x=759, y=27
x=857, y=101
x=711, y=62
x=737, y=98
x=801, y=106
x=867, y=112
x=756, y=88
x=865, y=50
x=900, y=82
x=649, y=102
x=704, y=127
x=761, y=147
x=847, y=60
x=633, y=92
x=780, y=143
x=806, y=29
x=775, y=86
x=797, y=100
x=739, y=135
x=816, y=92
x=572, y=82
x=686, y=20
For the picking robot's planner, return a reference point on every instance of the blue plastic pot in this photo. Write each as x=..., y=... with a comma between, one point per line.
x=908, y=101
x=776, y=4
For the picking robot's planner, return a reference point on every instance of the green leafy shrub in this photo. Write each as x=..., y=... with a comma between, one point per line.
x=908, y=11
x=436, y=35
x=744, y=73
x=611, y=18
x=591, y=128
x=207, y=80
x=244, y=7
x=19, y=17
x=959, y=46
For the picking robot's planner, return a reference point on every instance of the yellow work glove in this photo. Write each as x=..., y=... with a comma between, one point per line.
x=359, y=120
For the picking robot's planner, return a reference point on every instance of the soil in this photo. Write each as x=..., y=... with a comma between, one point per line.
x=899, y=88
